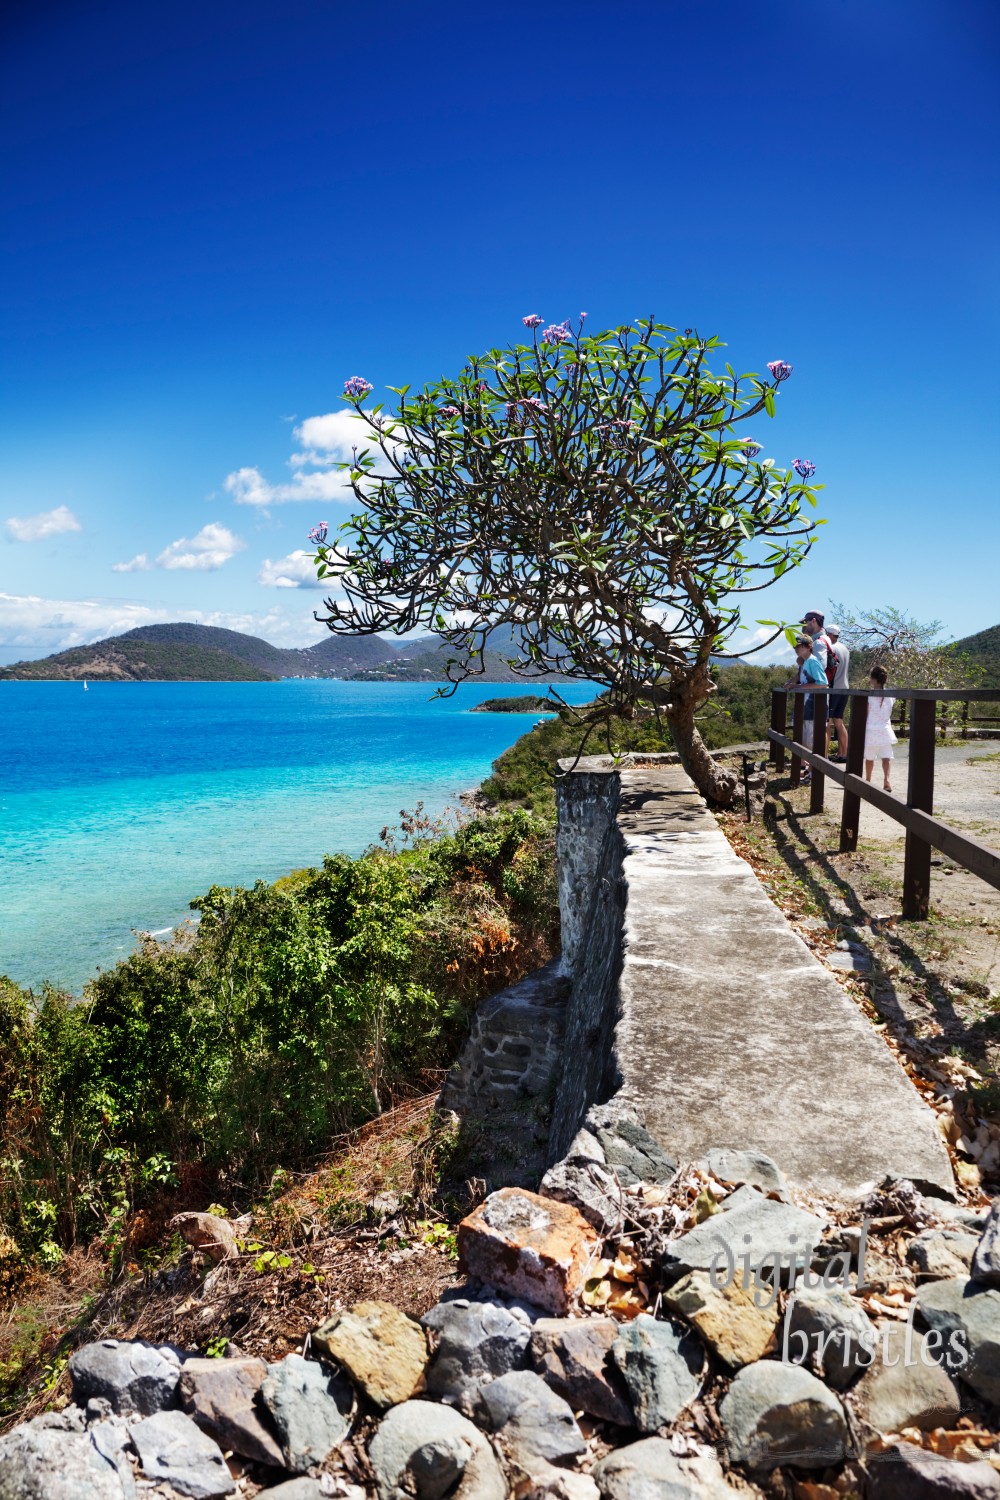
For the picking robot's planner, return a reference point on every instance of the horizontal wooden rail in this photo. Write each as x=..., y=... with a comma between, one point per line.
x=978, y=858
x=924, y=832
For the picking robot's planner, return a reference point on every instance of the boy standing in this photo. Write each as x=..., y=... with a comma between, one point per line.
x=812, y=677
x=838, y=689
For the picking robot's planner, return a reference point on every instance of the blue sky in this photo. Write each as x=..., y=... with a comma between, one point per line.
x=216, y=213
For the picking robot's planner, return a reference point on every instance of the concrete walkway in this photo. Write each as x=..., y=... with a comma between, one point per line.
x=731, y=1032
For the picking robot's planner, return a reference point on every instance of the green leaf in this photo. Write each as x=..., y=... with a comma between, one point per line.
x=769, y=403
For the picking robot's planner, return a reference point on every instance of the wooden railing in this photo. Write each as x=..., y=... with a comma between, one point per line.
x=924, y=832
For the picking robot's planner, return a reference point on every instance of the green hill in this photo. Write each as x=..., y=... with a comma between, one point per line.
x=984, y=648
x=121, y=659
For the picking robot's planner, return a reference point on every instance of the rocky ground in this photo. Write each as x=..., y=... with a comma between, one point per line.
x=638, y=1330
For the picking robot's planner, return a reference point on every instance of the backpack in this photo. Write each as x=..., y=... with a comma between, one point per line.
x=831, y=659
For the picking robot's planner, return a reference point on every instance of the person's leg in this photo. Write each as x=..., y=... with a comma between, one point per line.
x=885, y=775
x=841, y=729
x=869, y=768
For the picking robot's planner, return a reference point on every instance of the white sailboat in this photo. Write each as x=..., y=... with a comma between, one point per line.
x=86, y=689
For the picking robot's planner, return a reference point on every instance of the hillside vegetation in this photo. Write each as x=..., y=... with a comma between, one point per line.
x=205, y=653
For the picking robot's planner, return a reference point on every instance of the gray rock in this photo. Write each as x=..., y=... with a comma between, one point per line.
x=971, y=1219
x=828, y=1332
x=751, y=1167
x=171, y=1447
x=633, y=1154
x=43, y=1461
x=135, y=1377
x=297, y=1489
x=905, y=1387
x=222, y=1396
x=775, y=1413
x=311, y=1409
x=662, y=1363
x=530, y=1421
x=476, y=1342
x=906, y=1472
x=986, y=1261
x=422, y=1451
x=939, y=1253
x=850, y=962
x=588, y=1186
x=649, y=1470
x=752, y=1225
x=967, y=1317
x=110, y=1438
x=573, y=1356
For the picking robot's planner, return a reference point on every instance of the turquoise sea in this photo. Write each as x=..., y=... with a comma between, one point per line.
x=120, y=804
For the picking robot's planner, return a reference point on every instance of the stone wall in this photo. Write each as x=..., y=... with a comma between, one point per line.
x=515, y=1044
x=590, y=852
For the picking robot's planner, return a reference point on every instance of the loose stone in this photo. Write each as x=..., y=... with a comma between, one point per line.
x=662, y=1364
x=907, y=1472
x=528, y=1246
x=423, y=1451
x=172, y=1448
x=650, y=1470
x=754, y=1231
x=728, y=1319
x=47, y=1460
x=310, y=1407
x=753, y=1167
x=529, y=1420
x=573, y=1356
x=986, y=1261
x=940, y=1253
x=137, y=1378
x=476, y=1342
x=906, y=1387
x=222, y=1395
x=383, y=1350
x=967, y=1317
x=829, y=1333
x=775, y=1413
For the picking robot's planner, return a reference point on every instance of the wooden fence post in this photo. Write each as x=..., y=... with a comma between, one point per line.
x=851, y=814
x=821, y=746
x=920, y=794
x=798, y=719
x=779, y=723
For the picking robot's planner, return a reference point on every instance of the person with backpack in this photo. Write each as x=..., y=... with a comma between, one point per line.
x=839, y=657
x=810, y=676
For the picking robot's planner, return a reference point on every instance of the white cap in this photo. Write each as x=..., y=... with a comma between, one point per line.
x=832, y=629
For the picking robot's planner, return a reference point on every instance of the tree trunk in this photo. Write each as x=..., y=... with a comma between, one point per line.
x=715, y=784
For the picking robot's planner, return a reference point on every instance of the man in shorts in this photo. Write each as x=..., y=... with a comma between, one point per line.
x=810, y=676
x=838, y=690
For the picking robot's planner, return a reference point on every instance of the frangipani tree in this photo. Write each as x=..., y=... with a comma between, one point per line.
x=591, y=493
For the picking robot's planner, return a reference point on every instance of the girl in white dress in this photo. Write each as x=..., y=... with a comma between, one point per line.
x=879, y=734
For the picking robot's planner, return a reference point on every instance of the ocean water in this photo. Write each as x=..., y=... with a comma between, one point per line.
x=120, y=804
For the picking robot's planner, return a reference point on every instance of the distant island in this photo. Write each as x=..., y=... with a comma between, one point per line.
x=528, y=703
x=206, y=653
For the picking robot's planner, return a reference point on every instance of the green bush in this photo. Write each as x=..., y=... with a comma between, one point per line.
x=288, y=1014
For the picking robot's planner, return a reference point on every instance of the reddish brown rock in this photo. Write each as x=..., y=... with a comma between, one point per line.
x=222, y=1397
x=528, y=1246
x=214, y=1236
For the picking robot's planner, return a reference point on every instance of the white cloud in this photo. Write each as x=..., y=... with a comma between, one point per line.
x=138, y=564
x=324, y=441
x=213, y=546
x=296, y=571
x=46, y=523
x=31, y=626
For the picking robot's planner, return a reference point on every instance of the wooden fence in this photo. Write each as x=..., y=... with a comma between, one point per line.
x=924, y=832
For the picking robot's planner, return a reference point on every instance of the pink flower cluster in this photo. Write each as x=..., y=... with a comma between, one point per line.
x=318, y=534
x=557, y=333
x=357, y=387
x=532, y=321
x=779, y=369
x=804, y=468
x=519, y=413
x=449, y=411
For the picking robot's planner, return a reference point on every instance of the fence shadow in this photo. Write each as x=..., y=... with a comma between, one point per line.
x=798, y=845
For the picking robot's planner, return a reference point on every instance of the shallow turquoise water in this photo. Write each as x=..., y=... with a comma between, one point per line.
x=120, y=804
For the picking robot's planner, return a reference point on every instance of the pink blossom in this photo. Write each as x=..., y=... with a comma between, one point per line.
x=532, y=321
x=779, y=369
x=357, y=387
x=557, y=333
